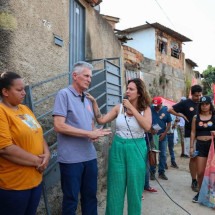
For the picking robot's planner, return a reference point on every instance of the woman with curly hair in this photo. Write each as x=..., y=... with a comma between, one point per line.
x=128, y=152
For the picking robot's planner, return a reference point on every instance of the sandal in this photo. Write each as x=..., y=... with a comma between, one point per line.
x=151, y=189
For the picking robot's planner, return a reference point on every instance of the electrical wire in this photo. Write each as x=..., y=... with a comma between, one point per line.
x=164, y=13
x=168, y=194
x=151, y=172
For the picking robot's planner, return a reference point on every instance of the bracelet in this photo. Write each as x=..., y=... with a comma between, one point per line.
x=191, y=147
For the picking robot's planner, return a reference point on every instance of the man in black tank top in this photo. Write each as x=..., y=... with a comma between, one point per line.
x=187, y=109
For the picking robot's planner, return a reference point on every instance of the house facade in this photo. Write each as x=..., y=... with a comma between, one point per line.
x=163, y=67
x=191, y=75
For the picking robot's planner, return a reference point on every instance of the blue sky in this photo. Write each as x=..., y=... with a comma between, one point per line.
x=194, y=19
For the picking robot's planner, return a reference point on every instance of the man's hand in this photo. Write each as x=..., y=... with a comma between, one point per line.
x=162, y=136
x=153, y=131
x=95, y=134
x=182, y=115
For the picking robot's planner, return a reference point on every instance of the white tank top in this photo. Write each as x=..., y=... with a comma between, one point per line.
x=122, y=129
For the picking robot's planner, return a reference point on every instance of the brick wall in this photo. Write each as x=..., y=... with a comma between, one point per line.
x=131, y=55
x=167, y=58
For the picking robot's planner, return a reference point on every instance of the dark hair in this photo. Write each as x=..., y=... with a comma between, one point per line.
x=144, y=100
x=211, y=108
x=196, y=89
x=6, y=80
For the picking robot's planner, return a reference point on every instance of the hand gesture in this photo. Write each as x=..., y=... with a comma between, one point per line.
x=182, y=115
x=90, y=97
x=95, y=134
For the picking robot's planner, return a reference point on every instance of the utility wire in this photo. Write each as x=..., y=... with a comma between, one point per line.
x=164, y=13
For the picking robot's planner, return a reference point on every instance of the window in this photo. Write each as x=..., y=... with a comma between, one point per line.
x=175, y=50
x=162, y=46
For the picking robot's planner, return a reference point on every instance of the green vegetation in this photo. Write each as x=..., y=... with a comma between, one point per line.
x=209, y=79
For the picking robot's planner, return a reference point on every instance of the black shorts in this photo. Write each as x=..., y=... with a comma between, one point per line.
x=203, y=147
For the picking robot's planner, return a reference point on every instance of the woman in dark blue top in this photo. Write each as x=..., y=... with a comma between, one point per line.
x=202, y=125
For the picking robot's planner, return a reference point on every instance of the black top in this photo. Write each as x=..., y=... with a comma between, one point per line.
x=189, y=109
x=204, y=127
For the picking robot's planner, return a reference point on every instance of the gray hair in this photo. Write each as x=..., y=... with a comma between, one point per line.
x=80, y=65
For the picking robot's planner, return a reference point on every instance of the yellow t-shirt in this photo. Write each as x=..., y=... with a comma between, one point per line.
x=21, y=128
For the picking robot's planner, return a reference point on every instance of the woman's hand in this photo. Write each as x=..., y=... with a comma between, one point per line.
x=213, y=133
x=126, y=103
x=45, y=160
x=191, y=151
x=90, y=97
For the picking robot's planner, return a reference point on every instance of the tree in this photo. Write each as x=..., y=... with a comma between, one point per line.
x=209, y=79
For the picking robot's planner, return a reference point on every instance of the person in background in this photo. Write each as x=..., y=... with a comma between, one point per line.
x=128, y=152
x=202, y=125
x=160, y=116
x=170, y=139
x=180, y=129
x=24, y=154
x=187, y=109
x=74, y=124
x=147, y=186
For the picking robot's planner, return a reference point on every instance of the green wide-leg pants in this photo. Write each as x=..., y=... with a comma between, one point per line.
x=126, y=171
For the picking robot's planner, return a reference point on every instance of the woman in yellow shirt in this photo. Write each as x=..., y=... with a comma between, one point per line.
x=24, y=154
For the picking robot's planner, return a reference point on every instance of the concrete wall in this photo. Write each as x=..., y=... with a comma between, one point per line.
x=144, y=42
x=101, y=41
x=32, y=52
x=27, y=43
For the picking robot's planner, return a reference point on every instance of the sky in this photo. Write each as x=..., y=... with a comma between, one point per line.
x=194, y=19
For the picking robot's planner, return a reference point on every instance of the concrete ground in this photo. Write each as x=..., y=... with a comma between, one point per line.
x=177, y=187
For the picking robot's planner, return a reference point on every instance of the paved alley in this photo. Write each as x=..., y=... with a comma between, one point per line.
x=178, y=188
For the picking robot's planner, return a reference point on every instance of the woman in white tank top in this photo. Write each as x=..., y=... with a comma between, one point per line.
x=128, y=152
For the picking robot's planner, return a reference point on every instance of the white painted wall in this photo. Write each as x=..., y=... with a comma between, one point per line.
x=144, y=42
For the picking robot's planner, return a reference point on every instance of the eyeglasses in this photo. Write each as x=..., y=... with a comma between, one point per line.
x=205, y=103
